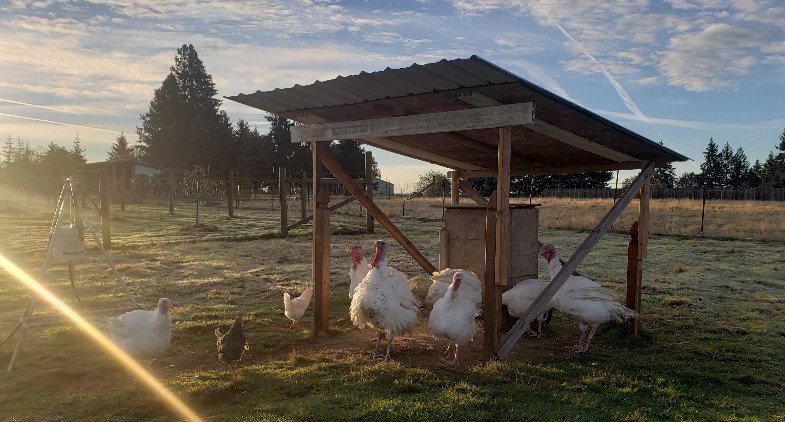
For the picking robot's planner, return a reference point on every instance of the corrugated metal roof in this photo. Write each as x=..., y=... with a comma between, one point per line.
x=429, y=88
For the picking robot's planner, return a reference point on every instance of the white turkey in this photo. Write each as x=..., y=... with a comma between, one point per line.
x=519, y=298
x=383, y=300
x=294, y=309
x=144, y=335
x=584, y=301
x=471, y=290
x=359, y=268
x=452, y=318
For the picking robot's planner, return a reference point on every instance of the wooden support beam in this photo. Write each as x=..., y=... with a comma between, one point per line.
x=321, y=244
x=540, y=170
x=634, y=281
x=454, y=179
x=444, y=244
x=104, y=190
x=303, y=196
x=492, y=293
x=471, y=193
x=503, y=207
x=542, y=301
x=482, y=146
x=447, y=121
x=282, y=199
x=643, y=218
x=369, y=189
x=335, y=168
x=418, y=154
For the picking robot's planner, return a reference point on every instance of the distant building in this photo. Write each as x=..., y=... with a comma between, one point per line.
x=130, y=167
x=381, y=187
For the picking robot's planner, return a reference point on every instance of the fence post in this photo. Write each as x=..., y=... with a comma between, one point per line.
x=282, y=198
x=369, y=189
x=171, y=191
x=634, y=281
x=122, y=191
x=229, y=189
x=303, y=196
x=104, y=189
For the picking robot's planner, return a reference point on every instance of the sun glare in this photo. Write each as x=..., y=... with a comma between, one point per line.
x=153, y=384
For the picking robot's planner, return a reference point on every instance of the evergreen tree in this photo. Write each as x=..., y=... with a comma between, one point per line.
x=725, y=160
x=121, y=149
x=688, y=181
x=351, y=156
x=739, y=169
x=8, y=151
x=184, y=126
x=295, y=157
x=664, y=177
x=711, y=171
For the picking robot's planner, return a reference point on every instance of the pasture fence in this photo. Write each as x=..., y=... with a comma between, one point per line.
x=725, y=194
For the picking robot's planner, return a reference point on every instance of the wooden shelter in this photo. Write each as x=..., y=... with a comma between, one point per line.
x=479, y=120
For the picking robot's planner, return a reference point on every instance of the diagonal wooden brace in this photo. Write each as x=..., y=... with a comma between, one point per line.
x=542, y=302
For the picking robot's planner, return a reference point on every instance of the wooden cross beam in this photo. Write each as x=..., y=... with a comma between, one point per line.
x=358, y=192
x=542, y=302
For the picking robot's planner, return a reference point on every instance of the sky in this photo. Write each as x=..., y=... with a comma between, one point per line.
x=676, y=71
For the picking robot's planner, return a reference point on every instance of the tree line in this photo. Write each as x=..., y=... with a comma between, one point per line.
x=38, y=169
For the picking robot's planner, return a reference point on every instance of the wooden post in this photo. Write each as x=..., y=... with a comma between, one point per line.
x=122, y=191
x=282, y=199
x=321, y=244
x=369, y=189
x=643, y=218
x=454, y=186
x=356, y=191
x=105, y=190
x=444, y=240
x=303, y=197
x=492, y=292
x=230, y=191
x=542, y=302
x=113, y=183
x=634, y=280
x=503, y=207
x=171, y=192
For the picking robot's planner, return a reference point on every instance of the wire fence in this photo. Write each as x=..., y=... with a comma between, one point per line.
x=727, y=194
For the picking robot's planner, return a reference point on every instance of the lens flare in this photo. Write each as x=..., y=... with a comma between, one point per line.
x=153, y=384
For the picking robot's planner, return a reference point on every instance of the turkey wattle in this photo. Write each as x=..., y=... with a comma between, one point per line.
x=383, y=300
x=585, y=301
x=452, y=318
x=144, y=335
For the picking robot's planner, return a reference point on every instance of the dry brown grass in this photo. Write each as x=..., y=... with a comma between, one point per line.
x=723, y=219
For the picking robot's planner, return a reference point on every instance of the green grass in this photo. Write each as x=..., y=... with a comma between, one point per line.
x=711, y=349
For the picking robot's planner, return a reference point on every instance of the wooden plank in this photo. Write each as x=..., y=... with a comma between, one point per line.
x=418, y=154
x=503, y=207
x=492, y=303
x=104, y=190
x=634, y=279
x=321, y=245
x=454, y=197
x=282, y=200
x=369, y=189
x=539, y=170
x=471, y=193
x=444, y=245
x=335, y=168
x=447, y=121
x=643, y=218
x=541, y=303
x=569, y=138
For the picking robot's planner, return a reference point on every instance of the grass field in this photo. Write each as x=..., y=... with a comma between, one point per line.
x=711, y=350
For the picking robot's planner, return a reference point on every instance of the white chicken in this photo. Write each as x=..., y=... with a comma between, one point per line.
x=584, y=301
x=519, y=298
x=144, y=335
x=383, y=300
x=471, y=290
x=452, y=318
x=295, y=308
x=359, y=268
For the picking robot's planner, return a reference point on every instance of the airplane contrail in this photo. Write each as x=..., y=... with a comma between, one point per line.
x=60, y=123
x=34, y=105
x=625, y=97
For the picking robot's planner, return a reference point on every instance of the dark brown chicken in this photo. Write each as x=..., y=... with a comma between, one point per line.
x=231, y=345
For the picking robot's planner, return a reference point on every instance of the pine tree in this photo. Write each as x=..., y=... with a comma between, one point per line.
x=739, y=169
x=351, y=156
x=711, y=171
x=8, y=151
x=725, y=160
x=688, y=181
x=664, y=177
x=254, y=149
x=121, y=149
x=295, y=157
x=184, y=126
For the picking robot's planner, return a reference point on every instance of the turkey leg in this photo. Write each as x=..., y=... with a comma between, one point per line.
x=454, y=361
x=588, y=340
x=579, y=347
x=375, y=354
x=387, y=358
